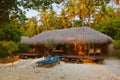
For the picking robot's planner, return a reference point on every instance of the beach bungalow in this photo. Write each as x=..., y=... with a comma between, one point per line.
x=73, y=41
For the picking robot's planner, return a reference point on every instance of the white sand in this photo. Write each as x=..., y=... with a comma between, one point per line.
x=26, y=70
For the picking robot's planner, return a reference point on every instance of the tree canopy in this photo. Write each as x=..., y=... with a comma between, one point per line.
x=18, y=7
x=9, y=32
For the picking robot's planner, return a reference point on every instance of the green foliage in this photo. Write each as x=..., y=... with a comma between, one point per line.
x=8, y=7
x=30, y=27
x=9, y=32
x=117, y=36
x=110, y=27
x=18, y=7
x=117, y=46
x=7, y=48
x=37, y=4
x=23, y=48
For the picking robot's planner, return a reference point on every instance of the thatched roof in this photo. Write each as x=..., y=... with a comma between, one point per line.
x=27, y=40
x=84, y=35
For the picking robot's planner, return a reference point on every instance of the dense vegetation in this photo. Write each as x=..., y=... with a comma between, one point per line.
x=12, y=19
x=13, y=23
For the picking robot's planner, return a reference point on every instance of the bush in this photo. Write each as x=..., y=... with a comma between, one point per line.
x=110, y=27
x=117, y=46
x=7, y=48
x=9, y=32
x=23, y=48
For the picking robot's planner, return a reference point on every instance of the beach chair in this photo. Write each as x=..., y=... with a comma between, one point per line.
x=47, y=58
x=54, y=60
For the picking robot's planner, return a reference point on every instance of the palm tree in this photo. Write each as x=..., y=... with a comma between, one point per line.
x=30, y=27
x=100, y=14
x=43, y=18
x=51, y=20
x=64, y=19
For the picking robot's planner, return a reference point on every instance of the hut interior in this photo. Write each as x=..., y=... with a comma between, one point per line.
x=80, y=49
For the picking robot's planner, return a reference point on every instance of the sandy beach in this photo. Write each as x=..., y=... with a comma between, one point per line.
x=27, y=70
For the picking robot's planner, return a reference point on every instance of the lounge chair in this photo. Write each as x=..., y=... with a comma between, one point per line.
x=54, y=60
x=47, y=58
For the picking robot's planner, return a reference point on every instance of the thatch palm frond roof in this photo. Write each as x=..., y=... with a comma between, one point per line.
x=84, y=35
x=27, y=40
